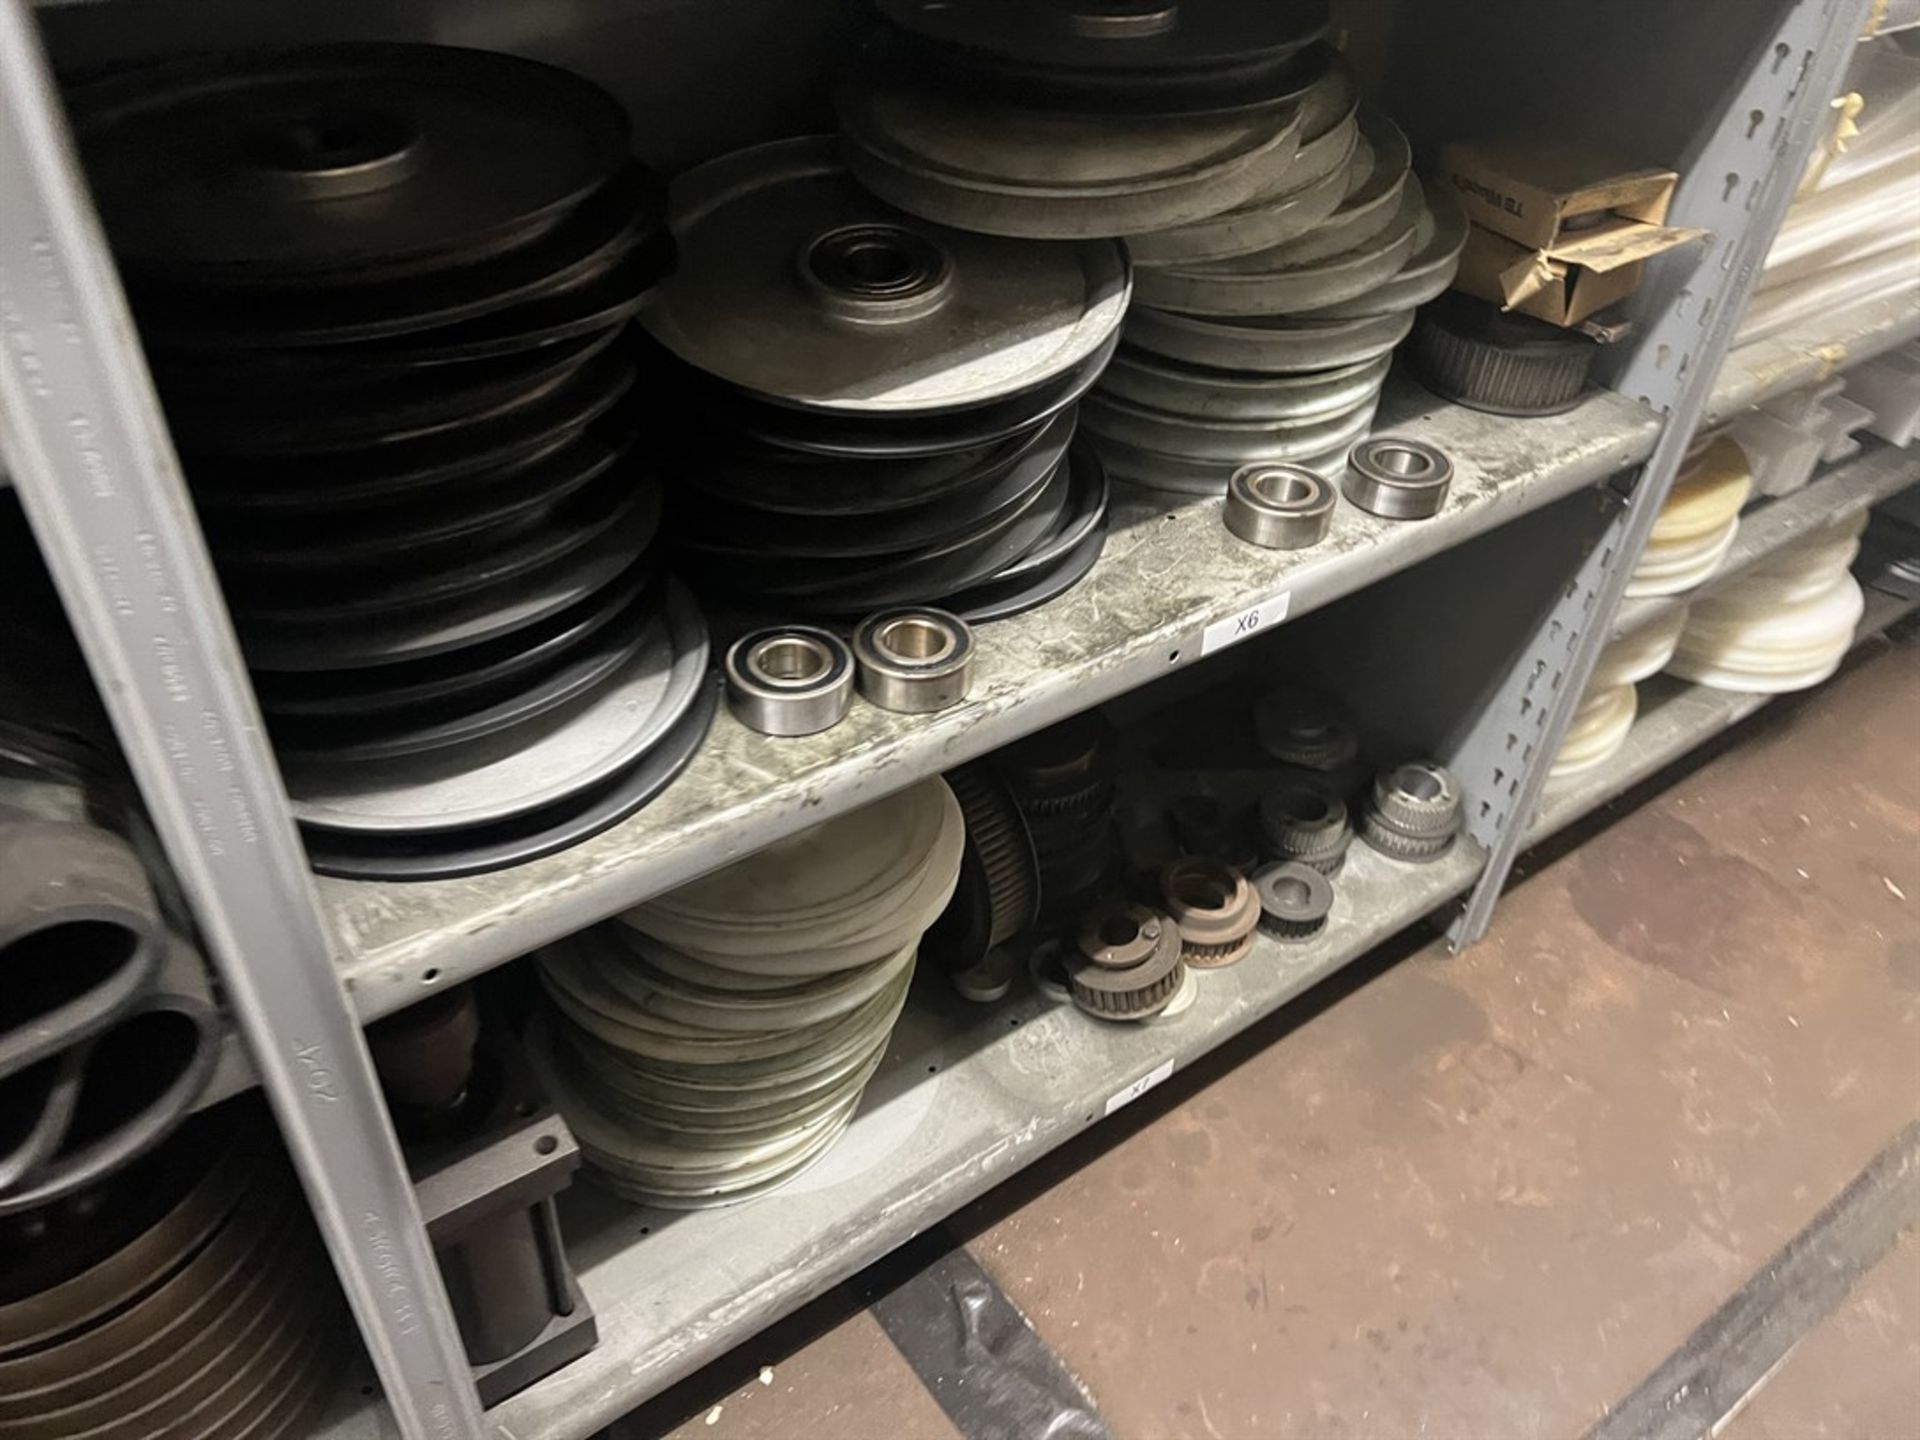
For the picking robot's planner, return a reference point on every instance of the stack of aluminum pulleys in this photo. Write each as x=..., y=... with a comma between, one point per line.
x=388, y=318
x=1278, y=354
x=873, y=410
x=1281, y=243
x=188, y=1297
x=713, y=1043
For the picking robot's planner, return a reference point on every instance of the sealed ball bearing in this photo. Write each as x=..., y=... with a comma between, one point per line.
x=1215, y=909
x=1294, y=900
x=789, y=680
x=1126, y=963
x=1279, y=507
x=1397, y=479
x=914, y=660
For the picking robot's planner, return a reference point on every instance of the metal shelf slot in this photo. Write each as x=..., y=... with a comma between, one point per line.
x=1738, y=185
x=90, y=455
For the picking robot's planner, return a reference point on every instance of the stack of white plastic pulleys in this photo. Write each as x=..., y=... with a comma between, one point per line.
x=712, y=1043
x=1642, y=653
x=1697, y=525
x=1612, y=699
x=1598, y=730
x=1785, y=625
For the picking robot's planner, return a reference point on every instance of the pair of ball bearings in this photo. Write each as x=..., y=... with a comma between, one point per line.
x=1290, y=507
x=792, y=680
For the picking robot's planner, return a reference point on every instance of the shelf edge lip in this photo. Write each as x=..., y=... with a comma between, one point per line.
x=387, y=975
x=1767, y=369
x=577, y=1409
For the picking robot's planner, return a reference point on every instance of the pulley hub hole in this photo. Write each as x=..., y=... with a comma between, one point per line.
x=1201, y=892
x=877, y=268
x=1119, y=930
x=1306, y=807
x=1121, y=19
x=1291, y=892
x=336, y=152
x=1420, y=784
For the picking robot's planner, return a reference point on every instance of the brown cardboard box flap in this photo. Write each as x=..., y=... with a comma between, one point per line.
x=1617, y=243
x=1526, y=190
x=1534, y=283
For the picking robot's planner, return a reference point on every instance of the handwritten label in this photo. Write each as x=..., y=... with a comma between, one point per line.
x=1246, y=624
x=1140, y=1087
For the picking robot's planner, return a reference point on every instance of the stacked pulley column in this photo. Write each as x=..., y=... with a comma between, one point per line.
x=873, y=410
x=387, y=315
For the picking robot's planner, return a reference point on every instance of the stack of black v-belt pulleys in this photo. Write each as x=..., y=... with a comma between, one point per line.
x=1281, y=243
x=385, y=292
x=874, y=410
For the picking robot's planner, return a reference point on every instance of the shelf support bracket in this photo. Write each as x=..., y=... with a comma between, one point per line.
x=1737, y=184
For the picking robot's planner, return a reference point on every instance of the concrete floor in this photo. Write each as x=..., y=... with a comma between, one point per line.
x=1487, y=1195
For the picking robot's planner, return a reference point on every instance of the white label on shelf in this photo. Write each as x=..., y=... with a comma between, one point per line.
x=1140, y=1087
x=1248, y=623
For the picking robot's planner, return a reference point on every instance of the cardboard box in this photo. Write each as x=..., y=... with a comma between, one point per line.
x=1557, y=234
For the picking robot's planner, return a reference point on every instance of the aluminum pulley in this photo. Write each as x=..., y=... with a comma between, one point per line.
x=388, y=320
x=936, y=144
x=187, y=1296
x=1184, y=35
x=1268, y=344
x=892, y=402
x=714, y=1042
x=801, y=289
x=1243, y=286
x=341, y=163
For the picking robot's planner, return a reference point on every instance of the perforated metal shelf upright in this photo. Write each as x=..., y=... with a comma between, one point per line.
x=101, y=487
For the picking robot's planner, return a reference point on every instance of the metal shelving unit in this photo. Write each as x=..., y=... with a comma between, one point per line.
x=966, y=1095
x=1171, y=579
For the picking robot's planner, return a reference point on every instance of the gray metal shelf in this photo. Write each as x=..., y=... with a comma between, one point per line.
x=1167, y=576
x=1766, y=369
x=968, y=1095
x=1675, y=717
x=1845, y=489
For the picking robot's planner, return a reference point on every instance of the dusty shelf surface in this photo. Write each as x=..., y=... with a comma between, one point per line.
x=967, y=1096
x=1847, y=488
x=1170, y=572
x=1767, y=368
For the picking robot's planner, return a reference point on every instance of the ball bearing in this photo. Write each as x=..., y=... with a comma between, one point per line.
x=1396, y=478
x=914, y=660
x=789, y=680
x=1279, y=507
